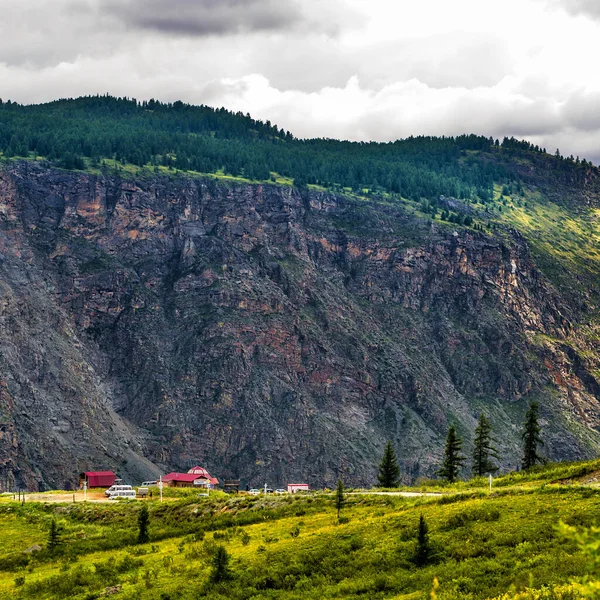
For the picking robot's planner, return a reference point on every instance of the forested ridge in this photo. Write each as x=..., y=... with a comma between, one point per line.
x=83, y=132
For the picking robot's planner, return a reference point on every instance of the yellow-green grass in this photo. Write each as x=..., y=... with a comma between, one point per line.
x=295, y=548
x=571, y=239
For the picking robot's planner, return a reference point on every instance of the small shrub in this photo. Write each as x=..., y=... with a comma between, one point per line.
x=14, y=562
x=471, y=515
x=356, y=544
x=382, y=584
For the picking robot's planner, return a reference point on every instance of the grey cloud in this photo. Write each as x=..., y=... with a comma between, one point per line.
x=591, y=8
x=205, y=17
x=581, y=111
x=43, y=34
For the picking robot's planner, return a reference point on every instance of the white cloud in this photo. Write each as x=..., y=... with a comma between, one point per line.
x=522, y=67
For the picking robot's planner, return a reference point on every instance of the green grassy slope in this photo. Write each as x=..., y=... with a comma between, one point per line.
x=485, y=545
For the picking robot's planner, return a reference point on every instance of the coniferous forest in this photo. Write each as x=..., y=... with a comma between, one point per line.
x=207, y=140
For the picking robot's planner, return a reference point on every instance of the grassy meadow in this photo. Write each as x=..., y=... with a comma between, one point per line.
x=506, y=544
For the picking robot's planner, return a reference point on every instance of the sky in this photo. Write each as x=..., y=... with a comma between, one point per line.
x=350, y=69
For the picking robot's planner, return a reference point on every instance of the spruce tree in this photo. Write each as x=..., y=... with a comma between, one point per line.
x=220, y=566
x=54, y=540
x=143, y=522
x=339, y=497
x=389, y=472
x=483, y=449
x=423, y=551
x=531, y=438
x=453, y=459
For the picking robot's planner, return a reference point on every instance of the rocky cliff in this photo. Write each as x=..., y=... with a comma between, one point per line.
x=267, y=333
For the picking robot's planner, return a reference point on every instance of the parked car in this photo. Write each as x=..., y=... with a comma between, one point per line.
x=268, y=491
x=254, y=492
x=120, y=491
x=281, y=491
x=149, y=484
x=124, y=494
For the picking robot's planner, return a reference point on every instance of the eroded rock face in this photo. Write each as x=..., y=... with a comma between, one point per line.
x=267, y=334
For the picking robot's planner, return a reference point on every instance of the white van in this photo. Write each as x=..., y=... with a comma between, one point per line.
x=120, y=491
x=124, y=494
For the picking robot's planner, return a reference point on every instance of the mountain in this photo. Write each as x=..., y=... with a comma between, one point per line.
x=283, y=327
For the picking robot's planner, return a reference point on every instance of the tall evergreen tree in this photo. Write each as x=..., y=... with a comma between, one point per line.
x=389, y=471
x=453, y=459
x=143, y=522
x=220, y=566
x=339, y=497
x=483, y=450
x=423, y=551
x=531, y=437
x=54, y=538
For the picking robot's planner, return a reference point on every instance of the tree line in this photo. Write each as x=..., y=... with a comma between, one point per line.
x=483, y=456
x=82, y=132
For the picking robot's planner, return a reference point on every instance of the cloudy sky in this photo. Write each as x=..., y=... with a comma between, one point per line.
x=353, y=69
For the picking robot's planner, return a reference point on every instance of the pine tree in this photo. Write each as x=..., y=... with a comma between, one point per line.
x=339, y=497
x=423, y=551
x=483, y=449
x=389, y=472
x=220, y=566
x=143, y=522
x=54, y=540
x=531, y=438
x=453, y=459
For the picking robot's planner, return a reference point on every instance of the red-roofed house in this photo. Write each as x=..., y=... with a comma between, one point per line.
x=197, y=476
x=97, y=479
x=179, y=479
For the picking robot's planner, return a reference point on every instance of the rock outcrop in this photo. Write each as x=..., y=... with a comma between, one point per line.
x=267, y=333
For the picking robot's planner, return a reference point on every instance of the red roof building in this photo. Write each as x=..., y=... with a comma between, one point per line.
x=197, y=476
x=97, y=479
x=180, y=478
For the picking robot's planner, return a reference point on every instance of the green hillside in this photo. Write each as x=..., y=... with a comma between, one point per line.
x=83, y=132
x=482, y=544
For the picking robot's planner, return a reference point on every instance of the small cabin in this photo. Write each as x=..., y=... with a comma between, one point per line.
x=298, y=487
x=97, y=479
x=196, y=477
x=179, y=479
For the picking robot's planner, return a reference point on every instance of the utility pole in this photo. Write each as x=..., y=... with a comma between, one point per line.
x=490, y=482
x=160, y=486
x=85, y=491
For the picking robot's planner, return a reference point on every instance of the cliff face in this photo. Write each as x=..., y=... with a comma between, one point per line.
x=265, y=333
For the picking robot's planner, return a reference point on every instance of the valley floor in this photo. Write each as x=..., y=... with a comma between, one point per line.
x=504, y=544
